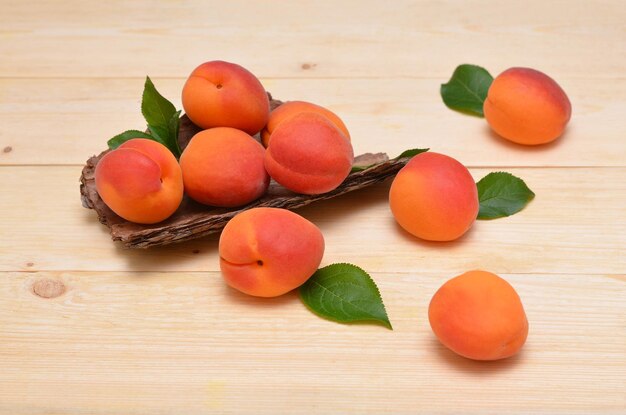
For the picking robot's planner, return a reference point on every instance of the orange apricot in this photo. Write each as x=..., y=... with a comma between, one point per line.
x=308, y=154
x=267, y=252
x=223, y=94
x=292, y=108
x=527, y=107
x=479, y=315
x=434, y=197
x=224, y=167
x=140, y=181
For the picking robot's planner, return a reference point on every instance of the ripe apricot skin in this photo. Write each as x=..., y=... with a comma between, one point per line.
x=224, y=167
x=266, y=252
x=527, y=107
x=292, y=108
x=480, y=316
x=434, y=197
x=223, y=94
x=140, y=181
x=308, y=154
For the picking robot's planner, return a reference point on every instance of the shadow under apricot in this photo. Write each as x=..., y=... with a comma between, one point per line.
x=476, y=367
x=161, y=258
x=237, y=297
x=444, y=245
x=510, y=145
x=344, y=206
x=168, y=257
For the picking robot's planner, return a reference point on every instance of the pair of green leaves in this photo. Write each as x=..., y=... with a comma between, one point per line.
x=163, y=121
x=347, y=294
x=500, y=194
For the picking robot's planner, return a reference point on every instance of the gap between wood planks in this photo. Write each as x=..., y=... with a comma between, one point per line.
x=443, y=78
x=618, y=277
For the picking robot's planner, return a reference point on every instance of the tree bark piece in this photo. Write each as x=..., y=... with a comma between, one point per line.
x=193, y=220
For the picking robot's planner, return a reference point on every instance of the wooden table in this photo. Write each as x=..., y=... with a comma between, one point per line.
x=157, y=331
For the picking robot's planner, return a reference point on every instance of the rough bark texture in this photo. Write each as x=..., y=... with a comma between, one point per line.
x=193, y=220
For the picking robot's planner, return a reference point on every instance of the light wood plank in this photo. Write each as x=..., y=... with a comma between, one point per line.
x=158, y=332
x=311, y=38
x=575, y=225
x=159, y=343
x=71, y=120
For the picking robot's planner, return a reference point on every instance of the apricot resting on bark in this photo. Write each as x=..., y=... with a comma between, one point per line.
x=479, y=315
x=140, y=181
x=292, y=108
x=267, y=252
x=434, y=197
x=309, y=154
x=223, y=94
x=527, y=107
x=224, y=167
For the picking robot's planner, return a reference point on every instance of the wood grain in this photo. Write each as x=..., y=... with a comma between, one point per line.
x=313, y=38
x=194, y=220
x=574, y=225
x=89, y=328
x=72, y=119
x=138, y=343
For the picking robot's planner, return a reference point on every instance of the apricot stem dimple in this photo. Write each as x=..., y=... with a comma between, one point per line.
x=218, y=86
x=259, y=263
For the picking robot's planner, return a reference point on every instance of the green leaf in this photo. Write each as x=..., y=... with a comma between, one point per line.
x=412, y=152
x=162, y=118
x=165, y=137
x=501, y=194
x=405, y=154
x=174, y=127
x=160, y=134
x=467, y=90
x=119, y=139
x=354, y=169
x=155, y=108
x=344, y=293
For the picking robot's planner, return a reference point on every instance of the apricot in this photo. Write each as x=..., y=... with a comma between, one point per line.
x=267, y=252
x=140, y=181
x=223, y=94
x=479, y=315
x=224, y=167
x=527, y=107
x=308, y=154
x=434, y=197
x=292, y=108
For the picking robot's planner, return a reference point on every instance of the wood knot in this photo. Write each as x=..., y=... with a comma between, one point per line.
x=48, y=288
x=307, y=66
x=7, y=149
